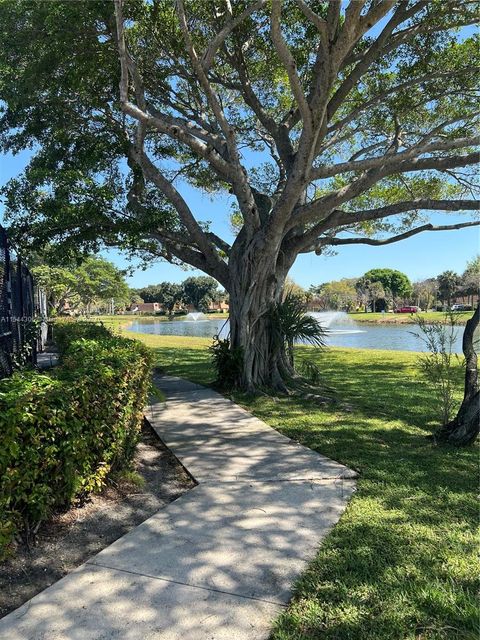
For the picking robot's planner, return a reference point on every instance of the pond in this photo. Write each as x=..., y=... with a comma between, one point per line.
x=342, y=331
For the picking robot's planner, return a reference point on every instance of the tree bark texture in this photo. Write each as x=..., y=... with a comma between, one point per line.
x=257, y=280
x=464, y=428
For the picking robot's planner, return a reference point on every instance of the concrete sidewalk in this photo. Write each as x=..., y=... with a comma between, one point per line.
x=219, y=562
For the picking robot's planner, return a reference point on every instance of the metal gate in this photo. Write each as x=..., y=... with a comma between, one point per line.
x=17, y=308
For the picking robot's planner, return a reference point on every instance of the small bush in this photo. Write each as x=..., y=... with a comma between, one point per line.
x=311, y=371
x=227, y=362
x=439, y=364
x=61, y=434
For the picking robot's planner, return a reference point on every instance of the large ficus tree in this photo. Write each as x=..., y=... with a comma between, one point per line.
x=329, y=123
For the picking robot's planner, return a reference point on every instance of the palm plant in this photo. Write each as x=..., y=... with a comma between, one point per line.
x=291, y=324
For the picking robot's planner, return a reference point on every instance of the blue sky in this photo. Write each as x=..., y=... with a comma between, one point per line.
x=421, y=256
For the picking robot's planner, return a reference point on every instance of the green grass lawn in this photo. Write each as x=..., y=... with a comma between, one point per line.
x=402, y=562
x=409, y=318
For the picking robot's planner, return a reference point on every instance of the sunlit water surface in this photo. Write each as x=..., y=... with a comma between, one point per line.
x=342, y=331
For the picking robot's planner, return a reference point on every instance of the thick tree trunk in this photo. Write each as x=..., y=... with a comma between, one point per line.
x=464, y=428
x=256, y=285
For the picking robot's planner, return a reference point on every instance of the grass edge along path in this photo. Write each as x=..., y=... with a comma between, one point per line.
x=401, y=563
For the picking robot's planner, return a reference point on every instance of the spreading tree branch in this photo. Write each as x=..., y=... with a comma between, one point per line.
x=328, y=171
x=402, y=86
x=316, y=209
x=397, y=238
x=289, y=63
x=150, y=171
x=402, y=13
x=226, y=30
x=240, y=182
x=339, y=218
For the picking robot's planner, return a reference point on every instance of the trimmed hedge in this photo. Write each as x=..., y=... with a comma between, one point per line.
x=63, y=432
x=66, y=331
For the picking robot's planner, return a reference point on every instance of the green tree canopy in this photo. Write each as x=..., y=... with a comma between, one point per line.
x=372, y=293
x=200, y=291
x=60, y=286
x=150, y=293
x=99, y=279
x=292, y=288
x=326, y=123
x=425, y=292
x=448, y=283
x=470, y=279
x=171, y=294
x=92, y=281
x=392, y=280
x=337, y=295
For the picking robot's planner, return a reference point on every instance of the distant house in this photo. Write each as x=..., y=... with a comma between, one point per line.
x=146, y=307
x=219, y=307
x=213, y=307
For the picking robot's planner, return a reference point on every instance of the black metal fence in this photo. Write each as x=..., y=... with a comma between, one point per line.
x=17, y=309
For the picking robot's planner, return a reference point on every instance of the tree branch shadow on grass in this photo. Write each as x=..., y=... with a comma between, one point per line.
x=401, y=561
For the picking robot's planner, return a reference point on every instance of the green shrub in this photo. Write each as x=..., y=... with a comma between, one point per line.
x=311, y=371
x=67, y=331
x=61, y=434
x=440, y=363
x=290, y=323
x=227, y=362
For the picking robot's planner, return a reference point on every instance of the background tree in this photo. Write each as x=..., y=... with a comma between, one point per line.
x=363, y=293
x=377, y=296
x=168, y=294
x=292, y=288
x=98, y=280
x=60, y=286
x=358, y=119
x=372, y=293
x=150, y=293
x=425, y=293
x=220, y=296
x=95, y=280
x=470, y=280
x=135, y=297
x=171, y=294
x=448, y=283
x=392, y=280
x=200, y=291
x=337, y=295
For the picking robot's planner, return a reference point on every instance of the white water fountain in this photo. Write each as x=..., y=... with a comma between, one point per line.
x=195, y=316
x=336, y=321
